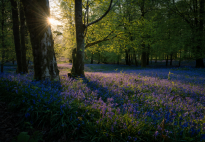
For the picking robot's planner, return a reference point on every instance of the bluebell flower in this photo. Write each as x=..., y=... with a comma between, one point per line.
x=27, y=115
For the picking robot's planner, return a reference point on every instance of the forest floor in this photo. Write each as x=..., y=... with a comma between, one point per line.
x=9, y=120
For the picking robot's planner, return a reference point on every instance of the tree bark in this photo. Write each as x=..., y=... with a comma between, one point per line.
x=91, y=61
x=16, y=34
x=166, y=60
x=23, y=46
x=45, y=65
x=148, y=48
x=199, y=60
x=118, y=59
x=143, y=57
x=78, y=67
x=126, y=57
x=129, y=59
x=73, y=60
x=156, y=58
x=99, y=58
x=171, y=59
x=179, y=58
x=2, y=33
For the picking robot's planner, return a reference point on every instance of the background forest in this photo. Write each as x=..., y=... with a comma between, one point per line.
x=137, y=32
x=133, y=32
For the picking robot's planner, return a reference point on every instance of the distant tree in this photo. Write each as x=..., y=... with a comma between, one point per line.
x=45, y=65
x=192, y=12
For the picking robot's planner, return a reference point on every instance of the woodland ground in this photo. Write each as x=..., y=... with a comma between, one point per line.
x=185, y=75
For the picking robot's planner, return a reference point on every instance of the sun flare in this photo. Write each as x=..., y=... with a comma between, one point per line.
x=52, y=21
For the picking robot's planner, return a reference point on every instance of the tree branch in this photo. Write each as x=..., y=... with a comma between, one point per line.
x=110, y=7
x=96, y=42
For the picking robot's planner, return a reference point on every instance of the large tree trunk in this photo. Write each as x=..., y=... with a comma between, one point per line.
x=79, y=65
x=23, y=46
x=45, y=65
x=16, y=35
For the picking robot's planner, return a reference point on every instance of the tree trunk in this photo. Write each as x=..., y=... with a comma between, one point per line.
x=99, y=59
x=166, y=60
x=91, y=62
x=16, y=35
x=80, y=27
x=23, y=46
x=151, y=59
x=199, y=60
x=126, y=57
x=118, y=59
x=147, y=58
x=171, y=59
x=148, y=48
x=156, y=59
x=45, y=65
x=136, y=63
x=2, y=33
x=129, y=59
x=143, y=57
x=74, y=60
x=27, y=62
x=179, y=58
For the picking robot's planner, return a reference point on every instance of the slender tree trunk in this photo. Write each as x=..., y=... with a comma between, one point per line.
x=199, y=60
x=179, y=58
x=99, y=59
x=167, y=60
x=148, y=48
x=118, y=59
x=156, y=59
x=129, y=59
x=16, y=34
x=91, y=62
x=45, y=65
x=143, y=57
x=136, y=63
x=2, y=38
x=171, y=59
x=151, y=58
x=126, y=57
x=23, y=46
x=147, y=58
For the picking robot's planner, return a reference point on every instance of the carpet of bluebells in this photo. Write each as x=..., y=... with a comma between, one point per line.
x=134, y=105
